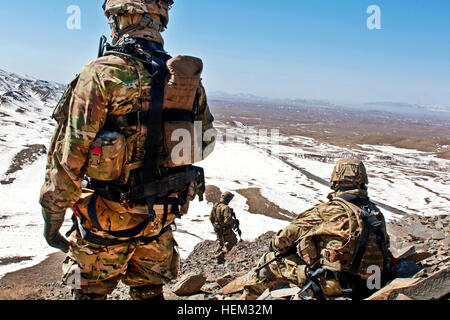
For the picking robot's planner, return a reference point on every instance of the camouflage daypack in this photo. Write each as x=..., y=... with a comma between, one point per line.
x=366, y=246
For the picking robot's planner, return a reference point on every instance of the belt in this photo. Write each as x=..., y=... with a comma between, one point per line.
x=90, y=237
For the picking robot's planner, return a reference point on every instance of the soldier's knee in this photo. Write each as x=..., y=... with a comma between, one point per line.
x=150, y=292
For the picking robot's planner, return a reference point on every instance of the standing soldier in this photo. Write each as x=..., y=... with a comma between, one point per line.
x=225, y=223
x=331, y=249
x=113, y=158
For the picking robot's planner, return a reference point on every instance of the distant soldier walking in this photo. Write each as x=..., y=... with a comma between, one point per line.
x=225, y=224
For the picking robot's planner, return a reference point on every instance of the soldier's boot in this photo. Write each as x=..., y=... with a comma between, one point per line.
x=80, y=296
x=148, y=293
x=221, y=257
x=219, y=247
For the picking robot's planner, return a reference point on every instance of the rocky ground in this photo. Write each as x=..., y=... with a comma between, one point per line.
x=424, y=240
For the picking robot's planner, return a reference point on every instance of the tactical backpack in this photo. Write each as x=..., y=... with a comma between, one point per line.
x=363, y=249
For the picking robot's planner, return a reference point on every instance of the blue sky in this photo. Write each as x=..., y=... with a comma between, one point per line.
x=315, y=49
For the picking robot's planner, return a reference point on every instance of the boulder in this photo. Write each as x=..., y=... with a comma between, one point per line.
x=189, y=285
x=234, y=286
x=286, y=292
x=401, y=296
x=418, y=231
x=433, y=287
x=226, y=279
x=410, y=253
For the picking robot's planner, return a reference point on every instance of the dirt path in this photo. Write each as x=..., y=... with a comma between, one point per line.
x=40, y=282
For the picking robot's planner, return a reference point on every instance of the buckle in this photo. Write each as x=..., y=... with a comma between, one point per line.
x=124, y=197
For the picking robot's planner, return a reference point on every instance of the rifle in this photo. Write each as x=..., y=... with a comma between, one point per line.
x=237, y=224
x=102, y=46
x=278, y=256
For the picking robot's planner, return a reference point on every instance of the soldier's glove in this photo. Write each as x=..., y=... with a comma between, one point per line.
x=53, y=223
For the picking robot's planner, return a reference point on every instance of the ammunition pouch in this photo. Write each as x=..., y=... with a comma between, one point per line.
x=106, y=157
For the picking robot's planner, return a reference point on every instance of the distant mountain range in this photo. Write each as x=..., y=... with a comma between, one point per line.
x=250, y=98
x=384, y=106
x=26, y=105
x=23, y=90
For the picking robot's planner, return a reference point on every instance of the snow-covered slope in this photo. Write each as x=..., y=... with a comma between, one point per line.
x=25, y=108
x=26, y=105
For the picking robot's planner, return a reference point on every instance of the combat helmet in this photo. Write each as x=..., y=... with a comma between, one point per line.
x=128, y=16
x=227, y=197
x=349, y=172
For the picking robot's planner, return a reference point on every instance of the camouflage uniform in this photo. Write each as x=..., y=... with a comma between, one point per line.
x=110, y=86
x=223, y=220
x=324, y=237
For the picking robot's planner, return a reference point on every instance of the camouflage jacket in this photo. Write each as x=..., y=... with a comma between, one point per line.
x=107, y=86
x=327, y=235
x=221, y=216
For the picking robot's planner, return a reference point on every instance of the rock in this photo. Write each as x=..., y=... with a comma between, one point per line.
x=226, y=279
x=420, y=256
x=434, y=287
x=283, y=293
x=446, y=241
x=417, y=231
x=403, y=253
x=198, y=297
x=189, y=285
x=210, y=287
x=396, y=232
x=401, y=296
x=234, y=286
x=265, y=295
x=439, y=225
x=410, y=253
x=437, y=235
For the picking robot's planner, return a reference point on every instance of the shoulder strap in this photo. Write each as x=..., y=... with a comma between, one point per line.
x=158, y=66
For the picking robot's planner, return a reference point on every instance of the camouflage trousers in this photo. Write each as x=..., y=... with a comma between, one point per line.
x=226, y=240
x=93, y=269
x=288, y=270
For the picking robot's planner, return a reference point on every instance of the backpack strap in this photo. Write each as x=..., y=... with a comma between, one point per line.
x=154, y=126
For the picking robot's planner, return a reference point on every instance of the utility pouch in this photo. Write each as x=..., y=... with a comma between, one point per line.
x=179, y=111
x=307, y=251
x=106, y=157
